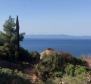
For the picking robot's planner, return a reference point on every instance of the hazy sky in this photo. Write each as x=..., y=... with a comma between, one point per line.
x=71, y=17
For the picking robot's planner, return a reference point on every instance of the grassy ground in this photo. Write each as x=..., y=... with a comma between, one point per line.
x=80, y=79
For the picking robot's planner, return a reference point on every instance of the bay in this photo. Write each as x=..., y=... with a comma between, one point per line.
x=76, y=47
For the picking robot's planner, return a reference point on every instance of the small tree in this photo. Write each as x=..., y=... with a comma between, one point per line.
x=8, y=36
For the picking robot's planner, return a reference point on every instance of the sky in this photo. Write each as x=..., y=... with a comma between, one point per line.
x=70, y=17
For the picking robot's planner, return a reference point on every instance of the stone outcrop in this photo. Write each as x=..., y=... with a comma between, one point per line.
x=48, y=52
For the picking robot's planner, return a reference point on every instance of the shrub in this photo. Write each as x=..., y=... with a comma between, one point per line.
x=80, y=70
x=70, y=69
x=35, y=57
x=79, y=79
x=8, y=76
x=24, y=55
x=49, y=67
x=66, y=56
x=75, y=70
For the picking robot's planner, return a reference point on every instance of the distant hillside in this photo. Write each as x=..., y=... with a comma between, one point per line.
x=57, y=37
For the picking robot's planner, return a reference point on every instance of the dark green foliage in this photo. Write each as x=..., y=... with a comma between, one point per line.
x=7, y=76
x=8, y=36
x=11, y=38
x=68, y=58
x=80, y=70
x=78, y=61
x=1, y=42
x=58, y=74
x=70, y=69
x=47, y=67
x=74, y=70
x=24, y=55
x=35, y=57
x=18, y=39
x=17, y=35
x=58, y=65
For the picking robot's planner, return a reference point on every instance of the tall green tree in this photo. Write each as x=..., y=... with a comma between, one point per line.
x=8, y=36
x=11, y=37
x=17, y=46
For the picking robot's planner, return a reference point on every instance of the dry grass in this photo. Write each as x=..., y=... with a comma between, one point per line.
x=80, y=79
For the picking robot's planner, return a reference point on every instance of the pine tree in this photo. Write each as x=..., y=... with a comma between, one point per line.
x=11, y=38
x=8, y=36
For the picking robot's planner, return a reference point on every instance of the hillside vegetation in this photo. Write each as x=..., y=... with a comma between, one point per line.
x=19, y=66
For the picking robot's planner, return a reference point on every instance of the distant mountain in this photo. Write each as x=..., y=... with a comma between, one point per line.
x=57, y=37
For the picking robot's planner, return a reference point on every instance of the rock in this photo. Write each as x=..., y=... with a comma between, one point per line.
x=48, y=52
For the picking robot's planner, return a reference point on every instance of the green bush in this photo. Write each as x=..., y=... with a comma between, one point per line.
x=35, y=57
x=75, y=70
x=23, y=55
x=79, y=79
x=70, y=69
x=8, y=76
x=80, y=70
x=50, y=67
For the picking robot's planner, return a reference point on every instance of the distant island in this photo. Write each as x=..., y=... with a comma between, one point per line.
x=57, y=37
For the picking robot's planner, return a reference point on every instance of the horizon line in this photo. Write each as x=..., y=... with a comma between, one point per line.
x=56, y=35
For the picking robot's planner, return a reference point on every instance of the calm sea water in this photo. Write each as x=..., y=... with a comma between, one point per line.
x=75, y=47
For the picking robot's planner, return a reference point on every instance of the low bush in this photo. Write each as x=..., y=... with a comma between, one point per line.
x=34, y=57
x=80, y=70
x=8, y=76
x=79, y=79
x=23, y=55
x=70, y=69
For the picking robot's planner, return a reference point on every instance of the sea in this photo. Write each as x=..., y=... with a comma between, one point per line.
x=76, y=47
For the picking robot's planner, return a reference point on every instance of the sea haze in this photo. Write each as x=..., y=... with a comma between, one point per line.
x=75, y=46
